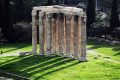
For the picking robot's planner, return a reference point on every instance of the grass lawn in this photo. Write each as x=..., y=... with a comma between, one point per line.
x=15, y=47
x=105, y=48
x=60, y=68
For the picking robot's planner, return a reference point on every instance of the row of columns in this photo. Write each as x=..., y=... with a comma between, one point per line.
x=59, y=32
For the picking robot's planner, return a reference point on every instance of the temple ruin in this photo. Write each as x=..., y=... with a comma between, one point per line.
x=62, y=31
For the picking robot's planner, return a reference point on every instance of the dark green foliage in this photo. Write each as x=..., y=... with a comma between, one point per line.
x=50, y=2
x=99, y=29
x=57, y=2
x=82, y=5
x=1, y=13
x=23, y=32
x=90, y=13
x=19, y=11
x=66, y=3
x=114, y=20
x=22, y=10
x=116, y=33
x=7, y=29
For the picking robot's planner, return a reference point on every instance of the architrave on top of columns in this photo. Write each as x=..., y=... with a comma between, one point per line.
x=59, y=9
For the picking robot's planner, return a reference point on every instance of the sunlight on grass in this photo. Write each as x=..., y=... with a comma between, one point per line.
x=16, y=47
x=107, y=49
x=61, y=68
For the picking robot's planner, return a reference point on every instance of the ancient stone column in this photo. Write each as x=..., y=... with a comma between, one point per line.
x=84, y=42
x=68, y=35
x=77, y=37
x=57, y=34
x=41, y=33
x=49, y=36
x=34, y=32
x=61, y=34
x=72, y=35
x=64, y=35
x=45, y=33
x=54, y=19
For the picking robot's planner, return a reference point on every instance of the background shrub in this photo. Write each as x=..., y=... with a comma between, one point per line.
x=116, y=33
x=23, y=32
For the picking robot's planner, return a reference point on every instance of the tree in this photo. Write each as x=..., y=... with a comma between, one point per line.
x=50, y=2
x=114, y=20
x=7, y=29
x=57, y=2
x=1, y=13
x=90, y=13
x=19, y=11
x=66, y=2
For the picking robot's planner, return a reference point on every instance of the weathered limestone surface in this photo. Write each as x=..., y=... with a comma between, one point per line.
x=54, y=35
x=72, y=35
x=64, y=35
x=57, y=34
x=61, y=29
x=34, y=32
x=76, y=38
x=79, y=36
x=49, y=35
x=41, y=33
x=45, y=35
x=68, y=35
x=61, y=34
x=83, y=44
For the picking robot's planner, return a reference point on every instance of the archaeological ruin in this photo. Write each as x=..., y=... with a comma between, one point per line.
x=62, y=31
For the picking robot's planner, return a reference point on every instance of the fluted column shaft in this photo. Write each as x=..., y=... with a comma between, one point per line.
x=57, y=34
x=84, y=42
x=68, y=35
x=41, y=33
x=49, y=36
x=54, y=21
x=61, y=34
x=34, y=32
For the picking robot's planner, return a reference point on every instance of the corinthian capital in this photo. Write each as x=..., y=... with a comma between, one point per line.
x=84, y=19
x=34, y=13
x=41, y=14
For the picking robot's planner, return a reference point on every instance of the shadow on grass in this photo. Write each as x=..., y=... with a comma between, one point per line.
x=16, y=46
x=118, y=50
x=30, y=65
x=117, y=54
x=96, y=44
x=100, y=44
x=37, y=78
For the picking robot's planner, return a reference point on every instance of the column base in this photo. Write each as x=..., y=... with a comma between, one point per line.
x=53, y=53
x=75, y=57
x=61, y=54
x=48, y=54
x=32, y=53
x=41, y=53
x=68, y=56
x=83, y=59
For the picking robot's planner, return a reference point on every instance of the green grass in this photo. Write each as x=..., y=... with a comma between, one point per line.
x=107, y=49
x=16, y=47
x=60, y=68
